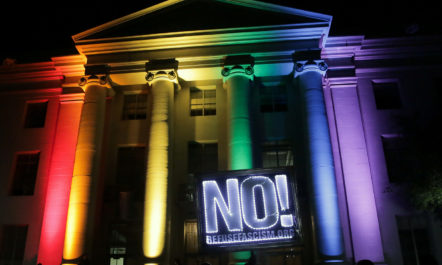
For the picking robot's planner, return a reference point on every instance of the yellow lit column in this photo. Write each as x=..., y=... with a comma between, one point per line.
x=86, y=167
x=162, y=77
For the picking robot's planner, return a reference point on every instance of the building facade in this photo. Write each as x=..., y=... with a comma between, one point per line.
x=102, y=150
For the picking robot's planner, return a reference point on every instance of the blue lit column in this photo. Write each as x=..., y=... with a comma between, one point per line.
x=324, y=196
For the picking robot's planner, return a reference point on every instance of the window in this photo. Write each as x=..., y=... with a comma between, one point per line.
x=134, y=106
x=273, y=98
x=131, y=171
x=118, y=244
x=386, y=95
x=277, y=154
x=397, y=158
x=190, y=236
x=202, y=101
x=13, y=242
x=25, y=174
x=413, y=237
x=36, y=114
x=202, y=157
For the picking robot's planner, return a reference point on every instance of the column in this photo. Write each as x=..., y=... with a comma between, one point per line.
x=238, y=74
x=236, y=80
x=324, y=196
x=86, y=167
x=162, y=78
x=50, y=250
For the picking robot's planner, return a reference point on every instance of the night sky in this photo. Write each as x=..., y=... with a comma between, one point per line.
x=36, y=31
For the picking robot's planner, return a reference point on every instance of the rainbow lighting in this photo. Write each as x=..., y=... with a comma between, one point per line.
x=247, y=209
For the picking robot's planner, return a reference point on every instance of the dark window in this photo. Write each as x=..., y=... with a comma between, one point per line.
x=273, y=99
x=202, y=157
x=277, y=154
x=36, y=115
x=399, y=162
x=386, y=95
x=131, y=170
x=25, y=174
x=413, y=237
x=118, y=244
x=13, y=242
x=134, y=107
x=202, y=102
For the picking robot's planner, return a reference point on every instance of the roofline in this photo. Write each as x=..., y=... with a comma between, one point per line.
x=247, y=3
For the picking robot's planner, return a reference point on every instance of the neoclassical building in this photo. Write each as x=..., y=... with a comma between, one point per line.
x=103, y=152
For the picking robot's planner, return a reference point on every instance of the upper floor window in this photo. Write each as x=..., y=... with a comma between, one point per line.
x=202, y=101
x=134, y=106
x=277, y=154
x=25, y=174
x=35, y=114
x=397, y=157
x=386, y=95
x=202, y=157
x=131, y=170
x=12, y=244
x=273, y=98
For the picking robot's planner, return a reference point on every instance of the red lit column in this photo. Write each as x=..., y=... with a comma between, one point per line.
x=86, y=167
x=59, y=180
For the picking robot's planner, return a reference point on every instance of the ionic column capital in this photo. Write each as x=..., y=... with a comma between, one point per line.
x=238, y=69
x=167, y=74
x=165, y=69
x=96, y=75
x=305, y=66
x=238, y=65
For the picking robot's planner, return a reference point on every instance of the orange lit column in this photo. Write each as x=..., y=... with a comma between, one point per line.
x=87, y=156
x=50, y=250
x=238, y=74
x=162, y=77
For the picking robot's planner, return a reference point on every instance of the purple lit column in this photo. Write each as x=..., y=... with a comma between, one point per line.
x=308, y=77
x=364, y=225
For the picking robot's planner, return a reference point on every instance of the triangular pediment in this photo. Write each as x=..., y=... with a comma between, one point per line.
x=202, y=15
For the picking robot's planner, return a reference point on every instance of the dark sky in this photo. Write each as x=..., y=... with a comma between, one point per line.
x=36, y=31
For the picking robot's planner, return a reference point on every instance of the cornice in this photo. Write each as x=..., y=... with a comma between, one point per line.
x=205, y=38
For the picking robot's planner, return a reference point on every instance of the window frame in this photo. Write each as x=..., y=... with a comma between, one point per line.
x=124, y=109
x=27, y=120
x=13, y=179
x=205, y=110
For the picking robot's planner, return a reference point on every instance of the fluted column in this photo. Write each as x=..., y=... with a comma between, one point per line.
x=162, y=77
x=86, y=165
x=236, y=80
x=308, y=76
x=238, y=74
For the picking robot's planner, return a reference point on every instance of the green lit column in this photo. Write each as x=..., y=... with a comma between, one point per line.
x=238, y=74
x=237, y=79
x=322, y=180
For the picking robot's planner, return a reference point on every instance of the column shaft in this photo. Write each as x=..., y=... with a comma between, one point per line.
x=155, y=206
x=85, y=172
x=240, y=142
x=50, y=250
x=321, y=167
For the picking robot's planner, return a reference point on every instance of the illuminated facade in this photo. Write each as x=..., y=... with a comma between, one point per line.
x=101, y=151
